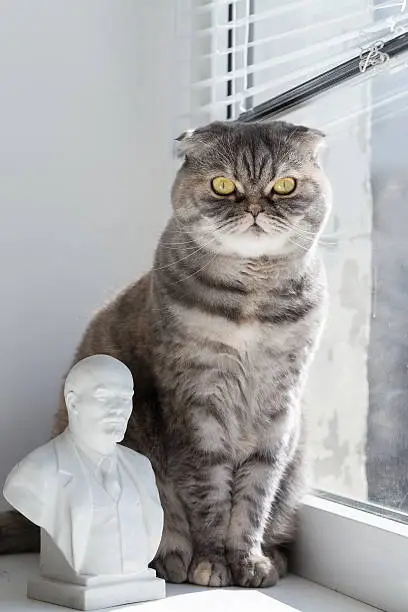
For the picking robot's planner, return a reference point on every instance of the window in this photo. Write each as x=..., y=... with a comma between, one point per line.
x=341, y=67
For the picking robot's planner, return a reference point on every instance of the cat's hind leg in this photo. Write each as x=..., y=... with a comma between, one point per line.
x=175, y=552
x=282, y=523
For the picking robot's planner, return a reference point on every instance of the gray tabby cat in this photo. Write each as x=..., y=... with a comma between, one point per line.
x=219, y=336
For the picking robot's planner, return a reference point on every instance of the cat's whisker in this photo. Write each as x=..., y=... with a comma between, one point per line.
x=178, y=243
x=174, y=263
x=173, y=245
x=185, y=228
x=179, y=233
x=282, y=228
x=304, y=235
x=181, y=280
x=229, y=225
x=326, y=243
x=324, y=237
x=313, y=238
x=300, y=246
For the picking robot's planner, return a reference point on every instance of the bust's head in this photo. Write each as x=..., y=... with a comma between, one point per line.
x=98, y=394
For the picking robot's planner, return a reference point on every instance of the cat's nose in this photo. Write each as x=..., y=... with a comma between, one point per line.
x=255, y=209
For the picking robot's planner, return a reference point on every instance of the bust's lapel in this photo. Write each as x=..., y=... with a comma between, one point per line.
x=75, y=520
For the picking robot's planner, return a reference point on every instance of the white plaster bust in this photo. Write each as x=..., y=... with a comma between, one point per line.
x=96, y=502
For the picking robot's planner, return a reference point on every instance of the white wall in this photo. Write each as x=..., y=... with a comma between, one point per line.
x=85, y=170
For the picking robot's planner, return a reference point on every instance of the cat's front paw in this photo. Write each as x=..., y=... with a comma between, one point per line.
x=207, y=571
x=173, y=566
x=253, y=570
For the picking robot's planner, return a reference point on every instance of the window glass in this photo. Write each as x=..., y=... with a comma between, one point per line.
x=357, y=396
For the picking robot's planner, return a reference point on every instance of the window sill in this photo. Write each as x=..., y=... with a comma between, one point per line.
x=292, y=594
x=354, y=552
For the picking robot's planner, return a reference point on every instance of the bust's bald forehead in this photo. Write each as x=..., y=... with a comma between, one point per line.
x=97, y=370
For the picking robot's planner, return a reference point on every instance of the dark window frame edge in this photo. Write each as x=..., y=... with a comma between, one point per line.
x=321, y=83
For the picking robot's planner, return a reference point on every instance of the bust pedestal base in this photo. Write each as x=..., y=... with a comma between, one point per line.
x=115, y=591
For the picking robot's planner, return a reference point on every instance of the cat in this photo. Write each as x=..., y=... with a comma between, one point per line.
x=219, y=336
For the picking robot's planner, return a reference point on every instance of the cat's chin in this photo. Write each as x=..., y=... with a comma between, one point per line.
x=255, y=243
x=255, y=230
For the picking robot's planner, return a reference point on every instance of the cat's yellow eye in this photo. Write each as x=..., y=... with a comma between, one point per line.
x=223, y=185
x=284, y=186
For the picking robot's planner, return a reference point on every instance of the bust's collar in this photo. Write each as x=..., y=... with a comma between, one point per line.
x=95, y=458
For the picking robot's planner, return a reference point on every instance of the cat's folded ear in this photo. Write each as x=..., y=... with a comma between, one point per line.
x=194, y=142
x=312, y=138
x=184, y=143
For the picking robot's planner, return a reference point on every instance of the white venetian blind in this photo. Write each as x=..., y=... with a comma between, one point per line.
x=236, y=54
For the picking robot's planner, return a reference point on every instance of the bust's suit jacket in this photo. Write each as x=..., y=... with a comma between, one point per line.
x=50, y=487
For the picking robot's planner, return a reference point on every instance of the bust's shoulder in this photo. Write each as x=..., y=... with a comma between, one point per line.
x=38, y=465
x=29, y=486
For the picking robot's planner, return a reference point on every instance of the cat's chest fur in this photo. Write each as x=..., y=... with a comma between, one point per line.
x=239, y=368
x=246, y=360
x=246, y=337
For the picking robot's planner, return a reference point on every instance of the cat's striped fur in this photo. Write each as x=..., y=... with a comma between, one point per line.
x=219, y=336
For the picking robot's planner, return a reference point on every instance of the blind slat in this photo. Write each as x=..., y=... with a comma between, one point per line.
x=314, y=27
x=295, y=7
x=275, y=13
x=301, y=53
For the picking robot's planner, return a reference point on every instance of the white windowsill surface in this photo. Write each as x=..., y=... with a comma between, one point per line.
x=292, y=594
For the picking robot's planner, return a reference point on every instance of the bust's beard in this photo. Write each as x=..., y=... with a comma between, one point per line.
x=115, y=431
